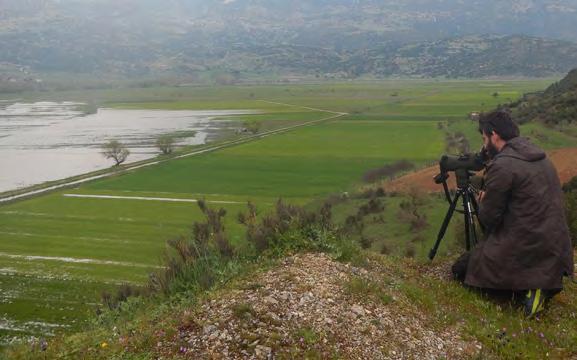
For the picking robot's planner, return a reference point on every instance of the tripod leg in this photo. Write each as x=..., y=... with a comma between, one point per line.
x=469, y=225
x=476, y=208
x=443, y=229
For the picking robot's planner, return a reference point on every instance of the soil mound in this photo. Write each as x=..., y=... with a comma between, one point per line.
x=307, y=308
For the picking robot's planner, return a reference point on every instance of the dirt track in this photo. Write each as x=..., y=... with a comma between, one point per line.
x=565, y=161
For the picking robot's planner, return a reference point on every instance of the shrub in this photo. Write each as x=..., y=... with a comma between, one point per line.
x=373, y=193
x=457, y=142
x=385, y=250
x=387, y=171
x=570, y=185
x=410, y=251
x=366, y=242
x=113, y=300
x=374, y=206
x=192, y=263
x=571, y=206
x=354, y=224
x=252, y=126
x=288, y=227
x=410, y=210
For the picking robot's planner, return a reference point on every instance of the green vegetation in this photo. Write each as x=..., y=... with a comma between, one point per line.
x=570, y=189
x=555, y=107
x=366, y=289
x=82, y=245
x=499, y=327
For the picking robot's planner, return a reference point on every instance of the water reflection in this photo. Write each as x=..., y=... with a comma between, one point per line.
x=46, y=141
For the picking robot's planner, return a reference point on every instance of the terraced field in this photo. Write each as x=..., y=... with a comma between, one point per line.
x=59, y=251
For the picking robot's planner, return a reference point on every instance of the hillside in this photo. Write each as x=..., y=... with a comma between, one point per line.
x=555, y=107
x=311, y=306
x=227, y=41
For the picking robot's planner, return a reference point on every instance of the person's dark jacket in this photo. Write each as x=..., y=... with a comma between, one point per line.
x=528, y=244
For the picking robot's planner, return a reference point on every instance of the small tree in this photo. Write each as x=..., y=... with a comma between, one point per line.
x=115, y=150
x=165, y=144
x=252, y=126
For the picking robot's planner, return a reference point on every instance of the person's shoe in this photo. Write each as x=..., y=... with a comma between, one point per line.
x=534, y=302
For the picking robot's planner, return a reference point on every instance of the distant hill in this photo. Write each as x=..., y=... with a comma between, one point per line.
x=556, y=106
x=484, y=56
x=322, y=38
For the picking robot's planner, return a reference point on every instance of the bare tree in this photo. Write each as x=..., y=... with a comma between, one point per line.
x=115, y=150
x=165, y=144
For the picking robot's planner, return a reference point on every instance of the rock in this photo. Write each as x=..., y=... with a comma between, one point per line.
x=262, y=352
x=208, y=329
x=270, y=300
x=273, y=316
x=357, y=309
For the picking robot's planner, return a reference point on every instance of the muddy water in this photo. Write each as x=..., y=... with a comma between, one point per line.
x=47, y=141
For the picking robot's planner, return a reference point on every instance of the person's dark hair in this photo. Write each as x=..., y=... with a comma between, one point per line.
x=500, y=122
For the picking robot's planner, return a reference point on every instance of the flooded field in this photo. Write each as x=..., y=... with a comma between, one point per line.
x=47, y=141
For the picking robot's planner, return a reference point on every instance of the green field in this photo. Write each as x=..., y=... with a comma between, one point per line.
x=57, y=253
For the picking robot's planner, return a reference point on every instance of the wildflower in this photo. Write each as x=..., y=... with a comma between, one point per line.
x=104, y=345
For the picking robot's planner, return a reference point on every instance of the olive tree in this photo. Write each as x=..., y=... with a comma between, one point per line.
x=116, y=151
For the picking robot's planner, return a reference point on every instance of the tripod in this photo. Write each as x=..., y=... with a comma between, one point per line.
x=470, y=211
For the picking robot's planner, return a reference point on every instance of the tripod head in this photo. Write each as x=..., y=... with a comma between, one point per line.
x=463, y=166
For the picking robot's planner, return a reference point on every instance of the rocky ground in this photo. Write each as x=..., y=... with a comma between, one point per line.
x=310, y=306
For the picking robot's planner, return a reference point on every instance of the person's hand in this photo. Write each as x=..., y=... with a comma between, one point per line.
x=481, y=196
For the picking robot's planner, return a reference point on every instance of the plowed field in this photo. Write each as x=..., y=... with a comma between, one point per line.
x=565, y=161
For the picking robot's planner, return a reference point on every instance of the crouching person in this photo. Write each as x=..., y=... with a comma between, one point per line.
x=527, y=249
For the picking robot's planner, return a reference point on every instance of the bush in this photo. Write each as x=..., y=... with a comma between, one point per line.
x=571, y=206
x=198, y=261
x=410, y=251
x=387, y=171
x=252, y=126
x=457, y=142
x=191, y=263
x=288, y=227
x=374, y=206
x=366, y=242
x=411, y=213
x=570, y=185
x=385, y=250
x=113, y=301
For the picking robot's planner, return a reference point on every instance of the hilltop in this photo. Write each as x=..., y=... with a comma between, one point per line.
x=311, y=306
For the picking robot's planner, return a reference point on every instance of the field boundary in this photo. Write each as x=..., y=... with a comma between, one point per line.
x=145, y=198
x=76, y=260
x=114, y=172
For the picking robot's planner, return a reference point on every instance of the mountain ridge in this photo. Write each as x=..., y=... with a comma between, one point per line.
x=255, y=38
